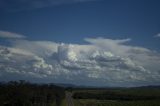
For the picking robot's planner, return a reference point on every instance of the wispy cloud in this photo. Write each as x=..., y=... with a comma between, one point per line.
x=18, y=5
x=157, y=35
x=109, y=61
x=11, y=35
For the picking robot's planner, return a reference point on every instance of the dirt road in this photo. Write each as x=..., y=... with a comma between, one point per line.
x=69, y=99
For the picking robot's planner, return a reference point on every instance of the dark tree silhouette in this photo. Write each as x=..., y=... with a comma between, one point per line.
x=22, y=93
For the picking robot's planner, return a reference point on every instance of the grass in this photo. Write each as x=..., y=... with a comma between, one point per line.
x=64, y=102
x=91, y=102
x=95, y=97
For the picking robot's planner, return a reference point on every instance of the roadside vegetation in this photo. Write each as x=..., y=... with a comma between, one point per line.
x=21, y=93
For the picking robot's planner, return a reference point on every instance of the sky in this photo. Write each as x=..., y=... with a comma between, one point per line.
x=82, y=42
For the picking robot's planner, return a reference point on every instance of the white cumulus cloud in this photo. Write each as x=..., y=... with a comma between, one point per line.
x=101, y=62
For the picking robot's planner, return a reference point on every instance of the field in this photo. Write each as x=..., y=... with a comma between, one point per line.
x=91, y=102
x=147, y=96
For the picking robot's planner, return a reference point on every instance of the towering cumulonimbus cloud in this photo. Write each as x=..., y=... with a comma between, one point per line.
x=100, y=62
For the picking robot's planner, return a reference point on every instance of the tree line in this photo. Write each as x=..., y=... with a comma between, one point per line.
x=22, y=93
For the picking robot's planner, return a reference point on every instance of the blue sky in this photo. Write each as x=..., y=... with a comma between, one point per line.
x=71, y=22
x=51, y=22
